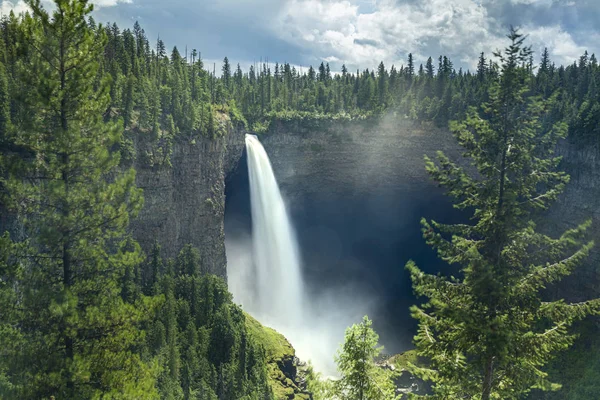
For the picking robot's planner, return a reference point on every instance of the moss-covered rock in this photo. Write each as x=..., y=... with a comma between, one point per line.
x=281, y=361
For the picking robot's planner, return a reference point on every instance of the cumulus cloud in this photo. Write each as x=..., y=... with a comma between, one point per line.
x=560, y=43
x=16, y=7
x=361, y=33
x=389, y=31
x=19, y=6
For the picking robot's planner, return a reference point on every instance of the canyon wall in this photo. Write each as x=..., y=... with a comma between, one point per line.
x=185, y=203
x=329, y=161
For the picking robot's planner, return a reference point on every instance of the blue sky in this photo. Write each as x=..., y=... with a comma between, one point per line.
x=359, y=33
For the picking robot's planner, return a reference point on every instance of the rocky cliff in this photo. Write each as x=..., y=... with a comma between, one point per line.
x=184, y=203
x=580, y=202
x=329, y=161
x=334, y=160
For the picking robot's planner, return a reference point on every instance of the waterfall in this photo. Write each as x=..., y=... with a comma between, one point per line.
x=278, y=285
x=265, y=274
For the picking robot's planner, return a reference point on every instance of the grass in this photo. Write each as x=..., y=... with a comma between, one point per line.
x=401, y=361
x=277, y=350
x=275, y=344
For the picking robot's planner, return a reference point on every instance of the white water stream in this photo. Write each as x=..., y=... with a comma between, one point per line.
x=265, y=274
x=278, y=278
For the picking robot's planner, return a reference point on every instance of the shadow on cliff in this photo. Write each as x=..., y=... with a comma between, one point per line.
x=355, y=234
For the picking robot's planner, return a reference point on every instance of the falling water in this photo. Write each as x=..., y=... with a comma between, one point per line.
x=278, y=283
x=264, y=274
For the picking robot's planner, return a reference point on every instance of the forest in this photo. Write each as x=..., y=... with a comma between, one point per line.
x=86, y=314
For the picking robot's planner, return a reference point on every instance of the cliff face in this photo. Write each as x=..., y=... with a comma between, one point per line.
x=334, y=163
x=333, y=160
x=330, y=162
x=580, y=202
x=185, y=203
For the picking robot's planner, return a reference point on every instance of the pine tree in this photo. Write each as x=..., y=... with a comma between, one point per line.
x=429, y=68
x=4, y=106
x=360, y=377
x=488, y=333
x=78, y=333
x=482, y=67
x=382, y=86
x=322, y=73
x=545, y=63
x=227, y=73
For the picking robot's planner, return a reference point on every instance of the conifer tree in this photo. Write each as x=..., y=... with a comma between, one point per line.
x=429, y=68
x=482, y=67
x=488, y=333
x=78, y=333
x=361, y=378
x=4, y=106
x=227, y=73
x=411, y=66
x=382, y=86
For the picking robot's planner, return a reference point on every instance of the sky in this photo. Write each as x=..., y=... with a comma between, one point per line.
x=358, y=33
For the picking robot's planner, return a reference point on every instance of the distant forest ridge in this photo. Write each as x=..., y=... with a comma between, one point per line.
x=169, y=93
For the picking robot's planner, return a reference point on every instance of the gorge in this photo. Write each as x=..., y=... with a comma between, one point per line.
x=355, y=191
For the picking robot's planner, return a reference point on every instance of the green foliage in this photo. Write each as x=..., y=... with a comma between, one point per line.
x=404, y=361
x=176, y=97
x=275, y=345
x=317, y=385
x=73, y=332
x=278, y=352
x=578, y=369
x=361, y=378
x=487, y=333
x=206, y=346
x=260, y=127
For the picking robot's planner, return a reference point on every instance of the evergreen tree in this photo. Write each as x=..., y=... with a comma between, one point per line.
x=411, y=66
x=78, y=333
x=481, y=67
x=360, y=377
x=545, y=63
x=227, y=73
x=322, y=73
x=4, y=106
x=382, y=85
x=488, y=333
x=429, y=68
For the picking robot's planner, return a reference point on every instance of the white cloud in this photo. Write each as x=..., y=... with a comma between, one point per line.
x=337, y=29
x=345, y=31
x=109, y=3
x=561, y=45
x=534, y=2
x=359, y=33
x=19, y=6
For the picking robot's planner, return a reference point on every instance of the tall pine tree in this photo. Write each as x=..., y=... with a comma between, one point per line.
x=78, y=333
x=361, y=378
x=488, y=333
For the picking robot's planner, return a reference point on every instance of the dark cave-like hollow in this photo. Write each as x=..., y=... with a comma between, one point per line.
x=360, y=241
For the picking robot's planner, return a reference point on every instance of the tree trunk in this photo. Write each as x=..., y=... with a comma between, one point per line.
x=66, y=248
x=488, y=379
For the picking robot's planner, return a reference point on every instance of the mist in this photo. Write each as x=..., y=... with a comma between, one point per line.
x=265, y=275
x=325, y=316
x=355, y=200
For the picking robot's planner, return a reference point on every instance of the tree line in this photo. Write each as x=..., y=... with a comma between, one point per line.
x=169, y=94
